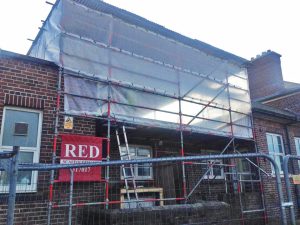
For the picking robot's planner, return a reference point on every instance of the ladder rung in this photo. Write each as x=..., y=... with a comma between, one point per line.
x=128, y=177
x=250, y=181
x=254, y=210
x=126, y=155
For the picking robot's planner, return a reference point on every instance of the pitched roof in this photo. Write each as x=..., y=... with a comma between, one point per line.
x=262, y=108
x=13, y=55
x=291, y=85
x=156, y=28
x=281, y=93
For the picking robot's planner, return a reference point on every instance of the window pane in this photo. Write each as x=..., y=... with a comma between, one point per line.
x=275, y=149
x=124, y=153
x=278, y=160
x=276, y=144
x=217, y=171
x=144, y=171
x=145, y=153
x=138, y=152
x=270, y=143
x=24, y=177
x=127, y=172
x=13, y=117
x=280, y=147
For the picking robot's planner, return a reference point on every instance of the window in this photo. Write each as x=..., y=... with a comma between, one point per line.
x=275, y=147
x=216, y=172
x=21, y=127
x=143, y=171
x=297, y=143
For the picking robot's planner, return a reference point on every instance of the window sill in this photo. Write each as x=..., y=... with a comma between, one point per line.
x=5, y=190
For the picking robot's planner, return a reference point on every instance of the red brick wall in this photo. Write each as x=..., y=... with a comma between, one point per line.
x=29, y=84
x=265, y=75
x=32, y=83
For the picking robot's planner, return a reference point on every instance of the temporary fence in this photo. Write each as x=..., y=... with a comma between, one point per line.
x=157, y=199
x=9, y=163
x=290, y=204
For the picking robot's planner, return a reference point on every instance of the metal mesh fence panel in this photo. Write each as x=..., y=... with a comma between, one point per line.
x=226, y=194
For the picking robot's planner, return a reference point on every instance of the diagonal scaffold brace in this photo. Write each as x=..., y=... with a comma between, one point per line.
x=207, y=171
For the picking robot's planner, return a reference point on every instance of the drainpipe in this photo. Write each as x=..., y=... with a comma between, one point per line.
x=297, y=188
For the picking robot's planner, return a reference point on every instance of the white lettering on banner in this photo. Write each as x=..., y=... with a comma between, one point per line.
x=74, y=161
x=97, y=151
x=83, y=151
x=70, y=150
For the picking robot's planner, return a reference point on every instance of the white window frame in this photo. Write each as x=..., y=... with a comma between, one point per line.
x=135, y=166
x=273, y=154
x=210, y=174
x=35, y=150
x=297, y=144
x=141, y=191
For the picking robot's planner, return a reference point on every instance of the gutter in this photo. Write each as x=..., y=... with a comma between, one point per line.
x=283, y=116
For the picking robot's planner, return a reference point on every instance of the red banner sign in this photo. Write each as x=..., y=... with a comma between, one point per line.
x=80, y=149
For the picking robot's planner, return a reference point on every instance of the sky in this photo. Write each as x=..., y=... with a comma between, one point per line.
x=243, y=27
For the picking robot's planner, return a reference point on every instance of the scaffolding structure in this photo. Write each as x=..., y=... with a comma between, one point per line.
x=109, y=119
x=108, y=72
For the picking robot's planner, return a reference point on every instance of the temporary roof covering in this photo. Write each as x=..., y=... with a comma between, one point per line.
x=119, y=64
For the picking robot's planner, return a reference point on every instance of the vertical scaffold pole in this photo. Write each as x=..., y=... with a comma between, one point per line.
x=108, y=146
x=181, y=141
x=182, y=153
x=60, y=72
x=233, y=145
x=229, y=107
x=71, y=196
x=108, y=119
x=13, y=176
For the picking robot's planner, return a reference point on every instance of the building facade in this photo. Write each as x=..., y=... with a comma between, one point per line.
x=174, y=96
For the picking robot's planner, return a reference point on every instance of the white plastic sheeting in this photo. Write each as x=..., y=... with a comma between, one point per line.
x=125, y=60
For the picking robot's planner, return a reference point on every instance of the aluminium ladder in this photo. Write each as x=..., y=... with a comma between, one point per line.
x=131, y=176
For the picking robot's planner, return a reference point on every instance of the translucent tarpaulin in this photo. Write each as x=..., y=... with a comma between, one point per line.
x=145, y=77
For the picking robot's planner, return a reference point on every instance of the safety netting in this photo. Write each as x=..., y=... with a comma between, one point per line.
x=115, y=68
